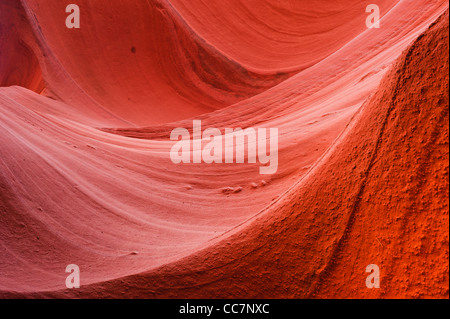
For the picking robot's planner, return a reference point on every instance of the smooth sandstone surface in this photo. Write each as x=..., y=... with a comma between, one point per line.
x=86, y=176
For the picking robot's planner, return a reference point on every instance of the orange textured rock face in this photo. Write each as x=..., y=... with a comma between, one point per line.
x=86, y=176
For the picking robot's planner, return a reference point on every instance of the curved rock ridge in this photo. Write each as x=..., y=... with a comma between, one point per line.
x=18, y=62
x=86, y=176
